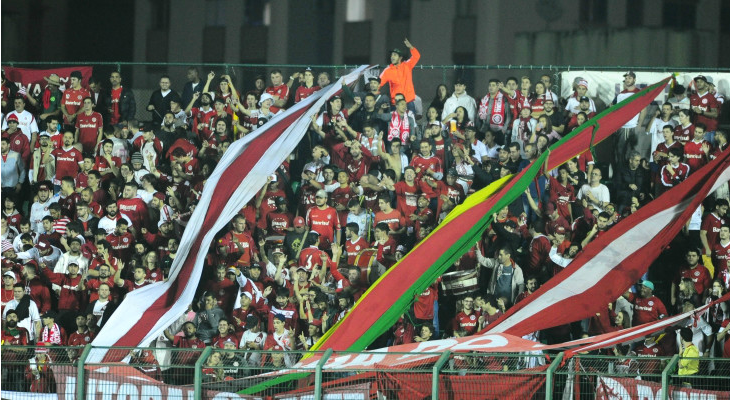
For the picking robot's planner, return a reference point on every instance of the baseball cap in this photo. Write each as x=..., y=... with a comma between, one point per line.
x=49, y=314
x=264, y=97
x=44, y=133
x=400, y=249
x=374, y=78
x=585, y=98
x=583, y=83
x=247, y=294
x=709, y=80
x=277, y=249
x=631, y=74
x=648, y=284
x=560, y=230
x=43, y=244
x=321, y=193
x=298, y=222
x=251, y=321
x=700, y=77
x=159, y=195
x=310, y=167
x=12, y=118
x=137, y=157
x=5, y=246
x=11, y=274
x=397, y=51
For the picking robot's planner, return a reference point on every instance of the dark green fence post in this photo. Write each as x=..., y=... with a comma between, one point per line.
x=198, y=381
x=550, y=378
x=318, y=374
x=436, y=373
x=80, y=373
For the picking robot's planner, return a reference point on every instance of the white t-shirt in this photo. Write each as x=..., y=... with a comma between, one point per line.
x=28, y=323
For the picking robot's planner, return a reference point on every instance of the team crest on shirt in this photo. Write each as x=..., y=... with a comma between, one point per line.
x=651, y=303
x=221, y=292
x=154, y=275
x=78, y=97
x=357, y=248
x=329, y=217
x=125, y=240
x=93, y=119
x=472, y=317
x=704, y=101
x=86, y=338
x=697, y=273
x=68, y=96
x=17, y=141
x=655, y=350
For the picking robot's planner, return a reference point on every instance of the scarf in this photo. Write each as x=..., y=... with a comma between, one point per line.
x=493, y=107
x=52, y=334
x=399, y=127
x=46, y=98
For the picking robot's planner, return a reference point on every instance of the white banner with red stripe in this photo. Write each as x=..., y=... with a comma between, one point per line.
x=614, y=261
x=146, y=313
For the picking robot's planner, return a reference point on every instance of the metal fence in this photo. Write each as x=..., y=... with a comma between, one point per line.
x=143, y=77
x=214, y=373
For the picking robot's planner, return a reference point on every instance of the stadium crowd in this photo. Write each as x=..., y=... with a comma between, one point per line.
x=94, y=203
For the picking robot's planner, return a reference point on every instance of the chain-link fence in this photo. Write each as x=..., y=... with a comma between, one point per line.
x=30, y=372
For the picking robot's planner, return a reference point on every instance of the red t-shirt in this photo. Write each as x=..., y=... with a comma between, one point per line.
x=684, y=134
x=712, y=224
x=135, y=209
x=648, y=310
x=73, y=99
x=88, y=126
x=699, y=275
x=705, y=103
x=468, y=323
x=394, y=219
x=694, y=156
x=104, y=168
x=352, y=248
x=303, y=92
x=282, y=91
x=67, y=163
x=325, y=222
x=201, y=122
x=116, y=113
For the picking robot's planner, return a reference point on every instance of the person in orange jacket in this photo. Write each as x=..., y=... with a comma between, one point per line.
x=399, y=75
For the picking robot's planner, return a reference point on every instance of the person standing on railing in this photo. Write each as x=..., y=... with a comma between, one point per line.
x=399, y=75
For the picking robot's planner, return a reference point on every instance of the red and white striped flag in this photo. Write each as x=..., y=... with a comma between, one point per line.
x=613, y=262
x=146, y=313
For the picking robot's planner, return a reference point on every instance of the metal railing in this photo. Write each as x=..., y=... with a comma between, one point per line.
x=205, y=373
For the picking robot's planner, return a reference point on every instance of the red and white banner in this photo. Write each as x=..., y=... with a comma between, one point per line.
x=632, y=389
x=615, y=260
x=32, y=79
x=124, y=382
x=146, y=313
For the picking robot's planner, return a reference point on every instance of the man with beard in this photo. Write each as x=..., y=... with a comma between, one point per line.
x=102, y=307
x=39, y=209
x=201, y=116
x=26, y=312
x=109, y=221
x=65, y=284
x=13, y=358
x=189, y=340
x=94, y=285
x=82, y=335
x=68, y=159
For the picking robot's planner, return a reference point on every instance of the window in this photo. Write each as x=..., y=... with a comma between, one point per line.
x=466, y=8
x=593, y=12
x=253, y=12
x=356, y=10
x=160, y=14
x=215, y=13
x=679, y=14
x=634, y=13
x=400, y=10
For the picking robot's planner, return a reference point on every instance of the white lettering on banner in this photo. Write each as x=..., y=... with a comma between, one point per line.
x=358, y=359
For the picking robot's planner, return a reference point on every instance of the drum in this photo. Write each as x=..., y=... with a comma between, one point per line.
x=460, y=282
x=370, y=268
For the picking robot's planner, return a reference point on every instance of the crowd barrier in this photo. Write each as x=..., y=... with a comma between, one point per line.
x=211, y=373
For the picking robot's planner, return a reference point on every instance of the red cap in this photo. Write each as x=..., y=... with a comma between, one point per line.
x=12, y=117
x=159, y=195
x=560, y=230
x=43, y=244
x=298, y=222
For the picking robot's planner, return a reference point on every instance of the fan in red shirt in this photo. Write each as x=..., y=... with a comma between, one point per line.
x=466, y=322
x=324, y=220
x=89, y=126
x=73, y=98
x=68, y=159
x=82, y=335
x=711, y=224
x=266, y=201
x=352, y=157
x=13, y=335
x=385, y=245
x=202, y=116
x=695, y=271
x=392, y=218
x=189, y=340
x=70, y=298
x=685, y=130
x=704, y=104
x=353, y=245
x=308, y=88
x=406, y=192
x=279, y=90
x=185, y=164
x=132, y=206
x=697, y=150
x=246, y=247
x=647, y=307
x=425, y=163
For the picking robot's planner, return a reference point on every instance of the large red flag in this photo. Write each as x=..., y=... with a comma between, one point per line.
x=617, y=259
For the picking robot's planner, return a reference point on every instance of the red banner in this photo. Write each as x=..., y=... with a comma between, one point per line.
x=32, y=79
x=627, y=388
x=122, y=382
x=475, y=386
